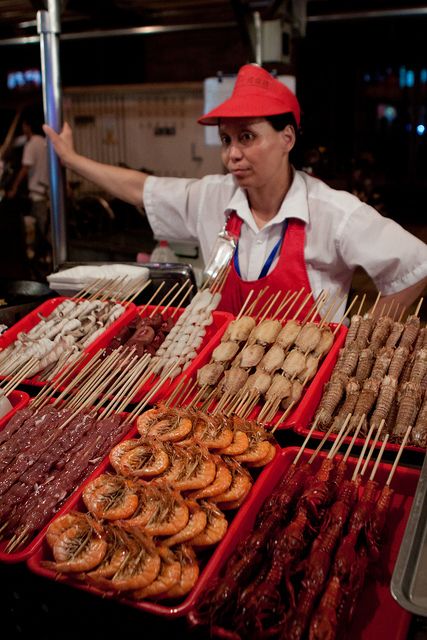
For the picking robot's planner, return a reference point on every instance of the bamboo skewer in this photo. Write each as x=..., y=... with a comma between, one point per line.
x=345, y=315
x=261, y=293
x=398, y=456
x=159, y=288
x=175, y=392
x=244, y=305
x=372, y=447
x=291, y=306
x=365, y=446
x=417, y=310
x=380, y=455
x=304, y=444
x=167, y=294
x=181, y=303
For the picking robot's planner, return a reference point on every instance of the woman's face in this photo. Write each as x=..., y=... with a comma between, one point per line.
x=253, y=151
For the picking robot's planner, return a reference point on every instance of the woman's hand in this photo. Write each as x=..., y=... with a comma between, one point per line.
x=62, y=143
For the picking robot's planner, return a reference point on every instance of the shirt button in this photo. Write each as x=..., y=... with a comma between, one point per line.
x=259, y=241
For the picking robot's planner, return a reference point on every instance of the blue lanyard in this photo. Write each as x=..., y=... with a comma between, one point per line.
x=269, y=260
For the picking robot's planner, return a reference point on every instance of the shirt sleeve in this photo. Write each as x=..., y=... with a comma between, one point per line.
x=172, y=207
x=393, y=257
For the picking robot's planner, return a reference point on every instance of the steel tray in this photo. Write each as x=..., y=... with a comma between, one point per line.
x=409, y=579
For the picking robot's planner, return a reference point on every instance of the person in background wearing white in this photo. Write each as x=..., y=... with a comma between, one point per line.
x=34, y=170
x=292, y=230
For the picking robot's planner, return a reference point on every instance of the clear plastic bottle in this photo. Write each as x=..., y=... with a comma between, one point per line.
x=163, y=253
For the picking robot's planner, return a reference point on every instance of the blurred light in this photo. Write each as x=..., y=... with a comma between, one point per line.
x=386, y=111
x=367, y=77
x=408, y=127
x=423, y=76
x=410, y=78
x=402, y=77
x=421, y=129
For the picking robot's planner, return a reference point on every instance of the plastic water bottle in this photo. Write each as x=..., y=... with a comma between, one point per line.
x=163, y=253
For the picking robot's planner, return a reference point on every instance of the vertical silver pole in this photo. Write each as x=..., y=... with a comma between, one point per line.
x=258, y=37
x=48, y=27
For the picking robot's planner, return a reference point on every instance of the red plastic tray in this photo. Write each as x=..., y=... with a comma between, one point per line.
x=377, y=615
x=18, y=400
x=42, y=552
x=309, y=405
x=25, y=552
x=302, y=408
x=31, y=319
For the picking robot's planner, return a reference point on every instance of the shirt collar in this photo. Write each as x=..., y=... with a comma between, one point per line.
x=294, y=205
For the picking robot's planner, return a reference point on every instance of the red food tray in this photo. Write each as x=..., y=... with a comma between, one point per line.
x=377, y=614
x=214, y=332
x=18, y=400
x=31, y=319
x=42, y=552
x=25, y=552
x=302, y=408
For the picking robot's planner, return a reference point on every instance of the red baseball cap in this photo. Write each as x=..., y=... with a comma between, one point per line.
x=256, y=93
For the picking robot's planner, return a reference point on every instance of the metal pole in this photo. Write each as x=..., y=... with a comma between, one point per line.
x=48, y=26
x=258, y=37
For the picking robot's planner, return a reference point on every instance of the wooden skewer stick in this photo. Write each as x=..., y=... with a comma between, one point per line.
x=378, y=460
x=250, y=311
x=372, y=447
x=181, y=302
x=138, y=292
x=187, y=283
x=306, y=299
x=283, y=416
x=143, y=403
x=372, y=311
x=90, y=369
x=399, y=453
x=84, y=291
x=163, y=299
x=175, y=392
x=19, y=376
x=223, y=280
x=304, y=444
x=128, y=391
x=286, y=300
x=402, y=313
x=209, y=399
x=353, y=440
x=272, y=303
x=362, y=453
x=264, y=306
x=345, y=314
x=335, y=305
x=362, y=302
x=218, y=278
x=159, y=288
x=95, y=381
x=291, y=306
x=339, y=438
x=129, y=372
x=320, y=445
x=417, y=310
x=188, y=393
x=245, y=304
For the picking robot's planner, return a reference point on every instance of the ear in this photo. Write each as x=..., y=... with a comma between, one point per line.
x=288, y=137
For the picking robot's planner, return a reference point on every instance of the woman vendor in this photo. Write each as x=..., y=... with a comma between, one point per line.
x=290, y=230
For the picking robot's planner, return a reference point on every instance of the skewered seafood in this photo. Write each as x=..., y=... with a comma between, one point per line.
x=419, y=368
x=209, y=374
x=384, y=402
x=380, y=332
x=273, y=359
x=239, y=330
x=394, y=336
x=167, y=424
x=348, y=359
x=139, y=458
x=353, y=329
x=258, y=382
x=214, y=432
x=310, y=369
x=250, y=356
x=325, y=343
x=265, y=332
x=196, y=524
x=80, y=546
x=294, y=363
x=189, y=573
x=279, y=389
x=364, y=332
x=419, y=432
x=398, y=361
x=225, y=351
x=364, y=365
x=288, y=334
x=410, y=331
x=221, y=482
x=234, y=379
x=192, y=467
x=308, y=338
x=216, y=526
x=168, y=576
x=365, y=402
x=382, y=363
x=295, y=396
x=409, y=400
x=352, y=390
x=111, y=497
x=332, y=395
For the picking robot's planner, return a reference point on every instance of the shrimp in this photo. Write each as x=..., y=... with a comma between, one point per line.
x=241, y=483
x=213, y=431
x=216, y=526
x=240, y=442
x=255, y=453
x=140, y=567
x=114, y=557
x=189, y=573
x=192, y=468
x=80, y=547
x=221, y=483
x=119, y=450
x=169, y=575
x=60, y=525
x=267, y=458
x=167, y=424
x=144, y=461
x=110, y=497
x=196, y=524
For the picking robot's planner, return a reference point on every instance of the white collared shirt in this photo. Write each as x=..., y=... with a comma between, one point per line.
x=341, y=231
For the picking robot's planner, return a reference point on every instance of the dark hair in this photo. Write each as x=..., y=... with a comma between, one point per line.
x=282, y=120
x=34, y=118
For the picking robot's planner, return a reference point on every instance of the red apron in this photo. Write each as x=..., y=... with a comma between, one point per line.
x=289, y=274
